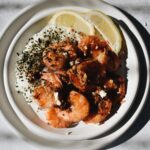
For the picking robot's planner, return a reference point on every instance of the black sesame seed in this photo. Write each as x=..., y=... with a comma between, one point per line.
x=69, y=133
x=17, y=53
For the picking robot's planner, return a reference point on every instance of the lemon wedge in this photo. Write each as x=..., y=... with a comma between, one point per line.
x=107, y=28
x=72, y=20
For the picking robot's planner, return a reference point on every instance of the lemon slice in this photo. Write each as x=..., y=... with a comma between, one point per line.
x=107, y=28
x=72, y=20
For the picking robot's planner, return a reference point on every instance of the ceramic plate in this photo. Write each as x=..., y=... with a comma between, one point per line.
x=28, y=123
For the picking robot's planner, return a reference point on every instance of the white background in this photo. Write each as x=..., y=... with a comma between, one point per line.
x=140, y=9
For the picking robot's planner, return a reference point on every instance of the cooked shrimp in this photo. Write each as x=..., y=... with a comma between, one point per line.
x=118, y=85
x=62, y=74
x=70, y=49
x=101, y=56
x=44, y=96
x=101, y=51
x=64, y=118
x=85, y=74
x=79, y=80
x=92, y=68
x=79, y=108
x=104, y=109
x=54, y=61
x=53, y=80
x=56, y=121
x=108, y=58
x=66, y=48
x=90, y=43
x=113, y=62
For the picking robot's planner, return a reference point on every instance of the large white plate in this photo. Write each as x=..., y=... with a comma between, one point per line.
x=133, y=59
x=25, y=113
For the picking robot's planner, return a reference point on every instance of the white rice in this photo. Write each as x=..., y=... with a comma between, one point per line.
x=49, y=33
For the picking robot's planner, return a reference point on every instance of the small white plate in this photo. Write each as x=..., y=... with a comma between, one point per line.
x=26, y=114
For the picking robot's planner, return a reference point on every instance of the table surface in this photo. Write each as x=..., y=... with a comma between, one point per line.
x=140, y=9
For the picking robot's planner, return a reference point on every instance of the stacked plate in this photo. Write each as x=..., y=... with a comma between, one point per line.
x=23, y=118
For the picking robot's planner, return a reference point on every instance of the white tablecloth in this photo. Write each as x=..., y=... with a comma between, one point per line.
x=9, y=9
